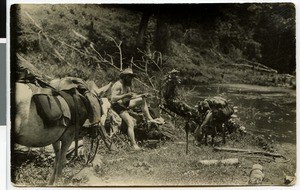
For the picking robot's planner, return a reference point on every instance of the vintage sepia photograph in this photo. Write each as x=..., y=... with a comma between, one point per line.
x=153, y=95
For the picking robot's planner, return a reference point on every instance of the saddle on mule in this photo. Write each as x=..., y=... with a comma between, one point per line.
x=30, y=129
x=50, y=108
x=219, y=106
x=58, y=101
x=216, y=112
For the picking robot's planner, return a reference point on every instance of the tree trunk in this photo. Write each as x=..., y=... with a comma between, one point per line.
x=143, y=28
x=162, y=33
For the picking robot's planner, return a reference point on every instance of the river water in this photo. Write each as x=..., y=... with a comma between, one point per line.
x=269, y=111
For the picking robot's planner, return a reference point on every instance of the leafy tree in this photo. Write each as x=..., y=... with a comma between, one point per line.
x=275, y=30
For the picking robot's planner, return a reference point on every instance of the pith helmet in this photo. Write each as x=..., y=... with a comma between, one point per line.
x=127, y=71
x=174, y=71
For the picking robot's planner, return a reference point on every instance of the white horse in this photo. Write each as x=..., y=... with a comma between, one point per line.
x=28, y=128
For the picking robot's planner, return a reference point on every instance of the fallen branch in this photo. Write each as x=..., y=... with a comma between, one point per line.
x=57, y=54
x=100, y=59
x=249, y=151
x=26, y=64
x=258, y=157
x=240, y=60
x=269, y=70
x=33, y=21
x=120, y=51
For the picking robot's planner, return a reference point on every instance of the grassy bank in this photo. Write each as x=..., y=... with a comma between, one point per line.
x=167, y=165
x=57, y=40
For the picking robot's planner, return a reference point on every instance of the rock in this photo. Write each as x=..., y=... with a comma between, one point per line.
x=97, y=163
x=256, y=175
x=290, y=180
x=81, y=177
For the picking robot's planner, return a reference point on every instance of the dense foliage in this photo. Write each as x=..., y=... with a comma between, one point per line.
x=259, y=32
x=203, y=41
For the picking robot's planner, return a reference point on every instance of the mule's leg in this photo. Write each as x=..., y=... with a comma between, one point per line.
x=223, y=133
x=198, y=135
x=213, y=139
x=213, y=134
x=56, y=148
x=207, y=120
x=205, y=132
x=65, y=145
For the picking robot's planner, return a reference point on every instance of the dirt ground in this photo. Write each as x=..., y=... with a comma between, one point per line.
x=165, y=164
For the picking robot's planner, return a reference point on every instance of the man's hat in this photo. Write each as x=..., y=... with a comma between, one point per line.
x=127, y=71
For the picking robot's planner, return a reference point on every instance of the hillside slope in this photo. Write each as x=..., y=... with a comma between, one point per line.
x=92, y=41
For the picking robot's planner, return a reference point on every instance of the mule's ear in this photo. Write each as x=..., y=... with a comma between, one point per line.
x=101, y=92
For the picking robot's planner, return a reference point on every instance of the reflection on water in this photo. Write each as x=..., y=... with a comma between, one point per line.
x=270, y=111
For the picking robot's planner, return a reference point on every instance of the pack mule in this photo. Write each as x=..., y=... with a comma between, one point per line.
x=28, y=127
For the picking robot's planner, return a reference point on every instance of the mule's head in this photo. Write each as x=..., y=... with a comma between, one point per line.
x=171, y=82
x=203, y=106
x=104, y=91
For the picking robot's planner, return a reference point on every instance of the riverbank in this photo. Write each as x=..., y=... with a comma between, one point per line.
x=168, y=165
x=264, y=110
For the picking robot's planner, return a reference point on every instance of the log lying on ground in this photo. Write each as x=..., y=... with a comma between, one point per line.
x=44, y=150
x=35, y=151
x=229, y=161
x=249, y=151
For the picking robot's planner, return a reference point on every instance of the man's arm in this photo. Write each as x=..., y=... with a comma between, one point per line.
x=105, y=107
x=116, y=93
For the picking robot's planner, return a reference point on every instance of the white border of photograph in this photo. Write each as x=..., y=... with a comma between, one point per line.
x=5, y=140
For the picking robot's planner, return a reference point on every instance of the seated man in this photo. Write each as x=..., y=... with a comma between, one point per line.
x=122, y=99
